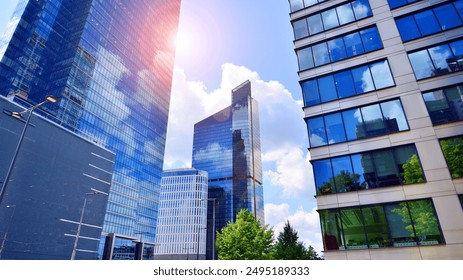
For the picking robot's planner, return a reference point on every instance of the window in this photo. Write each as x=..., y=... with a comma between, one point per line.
x=437, y=60
x=328, y=19
x=445, y=105
x=398, y=224
x=353, y=81
x=430, y=21
x=374, y=169
x=352, y=124
x=336, y=49
x=399, y=3
x=296, y=5
x=452, y=148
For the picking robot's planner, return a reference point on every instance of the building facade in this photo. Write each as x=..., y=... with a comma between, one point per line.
x=53, y=206
x=382, y=88
x=227, y=146
x=182, y=219
x=110, y=63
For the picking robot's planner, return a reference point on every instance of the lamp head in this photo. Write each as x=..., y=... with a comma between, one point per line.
x=16, y=115
x=51, y=98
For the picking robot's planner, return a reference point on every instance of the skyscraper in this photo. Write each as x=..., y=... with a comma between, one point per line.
x=182, y=220
x=111, y=64
x=382, y=89
x=227, y=146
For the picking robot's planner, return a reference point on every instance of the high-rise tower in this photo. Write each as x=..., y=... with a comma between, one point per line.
x=227, y=146
x=110, y=63
x=382, y=88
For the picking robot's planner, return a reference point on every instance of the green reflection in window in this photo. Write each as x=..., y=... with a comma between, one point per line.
x=425, y=222
x=376, y=226
x=399, y=224
x=453, y=153
x=354, y=232
x=331, y=230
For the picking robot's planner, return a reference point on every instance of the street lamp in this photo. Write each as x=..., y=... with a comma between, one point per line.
x=19, y=115
x=5, y=236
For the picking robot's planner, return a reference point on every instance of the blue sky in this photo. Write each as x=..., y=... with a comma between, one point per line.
x=222, y=43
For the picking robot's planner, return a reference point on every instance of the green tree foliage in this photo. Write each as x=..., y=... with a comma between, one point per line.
x=288, y=247
x=412, y=171
x=245, y=239
x=453, y=152
x=424, y=220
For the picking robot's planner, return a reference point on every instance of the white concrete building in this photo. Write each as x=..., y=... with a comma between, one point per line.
x=383, y=90
x=181, y=228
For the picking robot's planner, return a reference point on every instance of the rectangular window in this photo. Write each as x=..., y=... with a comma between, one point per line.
x=331, y=229
x=445, y=105
x=452, y=148
x=399, y=3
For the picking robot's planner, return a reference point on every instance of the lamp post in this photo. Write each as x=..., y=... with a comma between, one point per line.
x=5, y=236
x=19, y=115
x=81, y=220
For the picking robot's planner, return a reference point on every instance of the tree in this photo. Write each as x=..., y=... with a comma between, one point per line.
x=412, y=171
x=453, y=152
x=245, y=239
x=288, y=247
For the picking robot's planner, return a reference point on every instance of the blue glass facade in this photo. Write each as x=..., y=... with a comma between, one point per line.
x=111, y=65
x=227, y=146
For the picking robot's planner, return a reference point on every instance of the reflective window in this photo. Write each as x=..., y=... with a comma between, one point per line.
x=399, y=3
x=398, y=224
x=438, y=60
x=375, y=169
x=430, y=21
x=452, y=148
x=349, y=45
x=334, y=128
x=331, y=18
x=394, y=117
x=373, y=120
x=317, y=132
x=353, y=124
x=360, y=79
x=296, y=5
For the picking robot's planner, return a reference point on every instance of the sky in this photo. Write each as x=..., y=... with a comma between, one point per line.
x=221, y=44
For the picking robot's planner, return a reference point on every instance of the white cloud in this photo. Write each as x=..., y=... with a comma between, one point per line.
x=307, y=224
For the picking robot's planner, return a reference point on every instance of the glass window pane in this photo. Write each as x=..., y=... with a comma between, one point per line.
x=386, y=169
x=363, y=170
x=455, y=98
x=344, y=84
x=361, y=9
x=447, y=16
x=427, y=22
x=381, y=74
x=453, y=152
x=305, y=58
x=362, y=79
x=456, y=63
x=315, y=24
x=335, y=128
x=345, y=13
x=396, y=3
x=327, y=88
x=353, y=123
x=320, y=54
x=300, y=29
x=330, y=19
x=425, y=222
x=441, y=56
x=394, y=116
x=317, y=132
x=459, y=7
x=354, y=231
x=409, y=165
x=331, y=230
x=344, y=178
x=407, y=28
x=422, y=64
x=310, y=92
x=373, y=120
x=457, y=48
x=337, y=49
x=376, y=223
x=353, y=44
x=309, y=3
x=323, y=176
x=371, y=39
x=438, y=107
x=399, y=224
x=296, y=5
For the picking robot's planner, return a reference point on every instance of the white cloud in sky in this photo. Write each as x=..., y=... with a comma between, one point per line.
x=287, y=171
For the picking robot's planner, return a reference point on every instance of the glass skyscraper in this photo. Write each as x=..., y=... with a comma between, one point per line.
x=110, y=63
x=227, y=146
x=382, y=88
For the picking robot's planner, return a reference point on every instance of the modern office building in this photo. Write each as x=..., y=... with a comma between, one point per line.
x=182, y=218
x=227, y=146
x=110, y=63
x=54, y=204
x=382, y=88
